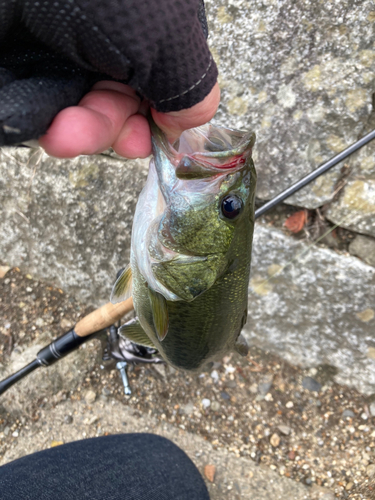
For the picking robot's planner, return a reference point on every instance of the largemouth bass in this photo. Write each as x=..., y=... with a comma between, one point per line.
x=191, y=247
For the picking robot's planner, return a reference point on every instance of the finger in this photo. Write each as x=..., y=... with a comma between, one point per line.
x=93, y=125
x=174, y=123
x=134, y=140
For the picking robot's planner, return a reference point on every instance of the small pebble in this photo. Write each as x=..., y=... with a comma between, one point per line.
x=263, y=388
x=66, y=324
x=215, y=405
x=348, y=414
x=311, y=384
x=364, y=416
x=106, y=391
x=253, y=388
x=349, y=486
x=209, y=472
x=328, y=496
x=370, y=470
x=3, y=271
x=284, y=429
x=90, y=397
x=92, y=420
x=372, y=409
x=160, y=369
x=188, y=408
x=289, y=404
x=15, y=434
x=225, y=395
x=56, y=443
x=6, y=431
x=206, y=403
x=68, y=419
x=275, y=440
x=215, y=375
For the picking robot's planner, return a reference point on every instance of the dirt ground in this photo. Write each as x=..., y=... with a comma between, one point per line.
x=300, y=423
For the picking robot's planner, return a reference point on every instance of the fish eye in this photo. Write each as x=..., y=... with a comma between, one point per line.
x=231, y=206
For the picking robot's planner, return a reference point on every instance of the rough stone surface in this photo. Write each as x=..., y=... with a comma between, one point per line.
x=311, y=384
x=301, y=75
x=363, y=247
x=68, y=221
x=307, y=305
x=355, y=206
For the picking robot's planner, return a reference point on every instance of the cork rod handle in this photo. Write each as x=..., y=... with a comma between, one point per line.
x=103, y=317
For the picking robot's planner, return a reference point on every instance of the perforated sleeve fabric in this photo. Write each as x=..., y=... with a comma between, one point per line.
x=157, y=46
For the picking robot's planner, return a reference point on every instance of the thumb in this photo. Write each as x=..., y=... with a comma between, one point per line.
x=175, y=122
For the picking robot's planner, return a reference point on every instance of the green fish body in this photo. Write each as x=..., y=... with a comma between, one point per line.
x=191, y=247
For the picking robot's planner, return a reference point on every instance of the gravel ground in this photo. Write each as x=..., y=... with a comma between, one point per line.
x=297, y=422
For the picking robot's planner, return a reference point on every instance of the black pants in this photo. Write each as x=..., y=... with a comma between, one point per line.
x=120, y=467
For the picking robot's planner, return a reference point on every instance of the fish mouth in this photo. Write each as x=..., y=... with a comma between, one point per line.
x=209, y=150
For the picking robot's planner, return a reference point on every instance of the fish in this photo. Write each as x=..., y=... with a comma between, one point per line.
x=191, y=247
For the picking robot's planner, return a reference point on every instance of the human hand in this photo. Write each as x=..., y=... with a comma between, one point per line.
x=52, y=53
x=112, y=115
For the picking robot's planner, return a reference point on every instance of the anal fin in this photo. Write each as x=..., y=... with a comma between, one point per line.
x=133, y=331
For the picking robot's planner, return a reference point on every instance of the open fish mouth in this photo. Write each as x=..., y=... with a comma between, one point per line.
x=216, y=151
x=208, y=150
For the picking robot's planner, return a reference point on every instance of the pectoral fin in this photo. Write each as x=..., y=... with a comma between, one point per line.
x=241, y=346
x=133, y=331
x=160, y=313
x=122, y=289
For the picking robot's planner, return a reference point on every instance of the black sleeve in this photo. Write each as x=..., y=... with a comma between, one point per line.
x=157, y=46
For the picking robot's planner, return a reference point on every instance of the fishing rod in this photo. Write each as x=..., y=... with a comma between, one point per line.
x=101, y=321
